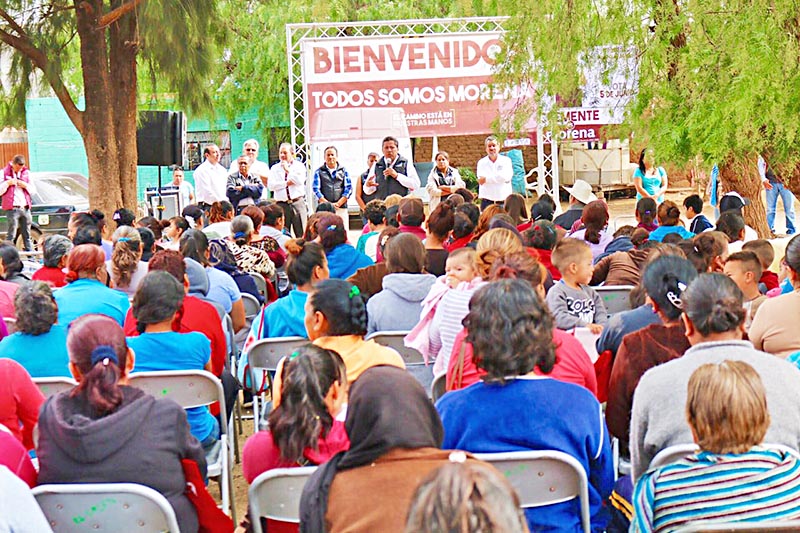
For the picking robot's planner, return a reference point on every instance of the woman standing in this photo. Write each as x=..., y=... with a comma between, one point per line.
x=442, y=181
x=650, y=181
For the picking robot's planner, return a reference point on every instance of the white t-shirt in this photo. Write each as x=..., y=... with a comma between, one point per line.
x=498, y=174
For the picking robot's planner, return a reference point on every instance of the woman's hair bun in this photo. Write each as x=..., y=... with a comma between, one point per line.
x=295, y=246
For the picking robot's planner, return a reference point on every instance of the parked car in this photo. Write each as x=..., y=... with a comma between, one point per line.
x=58, y=195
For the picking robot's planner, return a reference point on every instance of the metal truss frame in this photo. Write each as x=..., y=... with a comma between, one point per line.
x=296, y=34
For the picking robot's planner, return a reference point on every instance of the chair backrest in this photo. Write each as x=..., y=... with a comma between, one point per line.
x=438, y=387
x=187, y=388
x=624, y=220
x=11, y=324
x=54, y=385
x=544, y=477
x=589, y=342
x=615, y=297
x=84, y=507
x=264, y=354
x=261, y=283
x=394, y=339
x=671, y=454
x=742, y=527
x=275, y=494
x=251, y=306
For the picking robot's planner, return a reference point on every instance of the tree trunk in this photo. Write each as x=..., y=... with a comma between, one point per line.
x=741, y=175
x=99, y=136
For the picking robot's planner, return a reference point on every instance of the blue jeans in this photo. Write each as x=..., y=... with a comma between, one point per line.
x=778, y=190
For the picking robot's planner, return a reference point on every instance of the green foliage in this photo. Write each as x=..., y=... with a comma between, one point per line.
x=254, y=74
x=177, y=43
x=718, y=78
x=469, y=177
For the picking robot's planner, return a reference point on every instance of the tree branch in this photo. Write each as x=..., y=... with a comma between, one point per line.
x=24, y=46
x=114, y=15
x=13, y=23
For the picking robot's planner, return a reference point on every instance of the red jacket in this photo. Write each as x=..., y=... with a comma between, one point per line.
x=8, y=196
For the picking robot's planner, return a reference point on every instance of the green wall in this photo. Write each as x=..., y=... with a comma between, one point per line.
x=55, y=145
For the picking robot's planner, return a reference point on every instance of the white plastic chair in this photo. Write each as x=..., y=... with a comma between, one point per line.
x=251, y=307
x=439, y=387
x=263, y=357
x=544, y=477
x=54, y=385
x=261, y=283
x=85, y=507
x=672, y=454
x=677, y=452
x=742, y=527
x=415, y=363
x=195, y=388
x=625, y=220
x=394, y=339
x=615, y=297
x=275, y=494
x=589, y=342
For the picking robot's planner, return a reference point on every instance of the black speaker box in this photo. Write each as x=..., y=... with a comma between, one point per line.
x=160, y=138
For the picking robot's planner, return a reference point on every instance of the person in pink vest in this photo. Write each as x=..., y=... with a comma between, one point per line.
x=16, y=189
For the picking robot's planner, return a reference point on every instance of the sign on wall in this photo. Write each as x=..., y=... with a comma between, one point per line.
x=438, y=84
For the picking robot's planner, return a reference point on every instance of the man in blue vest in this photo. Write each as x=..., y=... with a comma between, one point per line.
x=391, y=174
x=331, y=183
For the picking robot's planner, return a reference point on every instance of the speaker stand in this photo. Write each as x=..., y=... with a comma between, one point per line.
x=160, y=208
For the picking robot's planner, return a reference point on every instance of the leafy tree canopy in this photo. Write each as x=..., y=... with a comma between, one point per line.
x=717, y=78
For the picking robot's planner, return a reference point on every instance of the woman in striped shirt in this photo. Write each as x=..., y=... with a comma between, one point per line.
x=733, y=478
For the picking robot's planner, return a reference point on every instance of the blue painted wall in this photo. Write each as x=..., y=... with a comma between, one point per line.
x=55, y=145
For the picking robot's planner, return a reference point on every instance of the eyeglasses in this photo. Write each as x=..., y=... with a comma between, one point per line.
x=251, y=150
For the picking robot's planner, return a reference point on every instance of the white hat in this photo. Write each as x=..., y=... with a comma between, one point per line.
x=582, y=192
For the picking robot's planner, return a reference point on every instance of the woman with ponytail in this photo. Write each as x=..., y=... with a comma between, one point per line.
x=336, y=319
x=104, y=431
x=669, y=221
x=438, y=225
x=303, y=429
x=305, y=267
x=126, y=266
x=157, y=303
x=594, y=227
x=664, y=281
x=86, y=291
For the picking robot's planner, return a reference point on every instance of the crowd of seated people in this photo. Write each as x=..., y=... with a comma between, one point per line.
x=502, y=324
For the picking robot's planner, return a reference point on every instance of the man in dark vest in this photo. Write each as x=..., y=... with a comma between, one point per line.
x=391, y=174
x=332, y=183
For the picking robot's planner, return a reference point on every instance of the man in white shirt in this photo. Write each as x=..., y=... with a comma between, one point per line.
x=287, y=181
x=494, y=175
x=257, y=168
x=391, y=174
x=185, y=188
x=210, y=179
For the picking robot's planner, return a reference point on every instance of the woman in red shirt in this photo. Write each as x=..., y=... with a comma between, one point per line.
x=303, y=429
